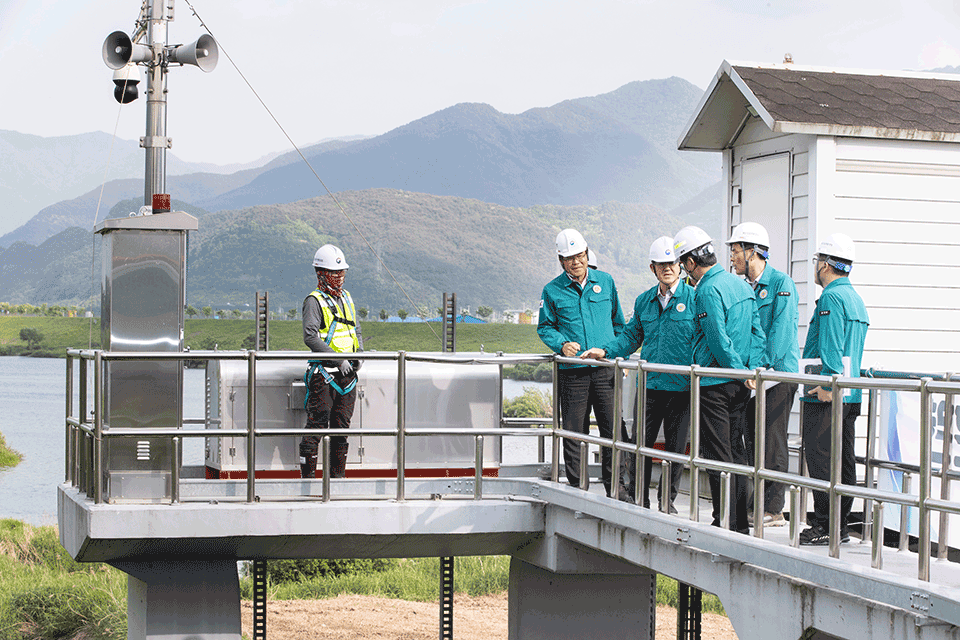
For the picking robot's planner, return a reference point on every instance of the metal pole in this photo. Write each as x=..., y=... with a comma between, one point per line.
x=640, y=429
x=584, y=465
x=795, y=501
x=555, y=442
x=904, y=541
x=724, y=500
x=694, y=443
x=155, y=141
x=870, y=481
x=175, y=471
x=68, y=435
x=923, y=525
x=401, y=422
x=98, y=428
x=325, y=452
x=876, y=537
x=478, y=470
x=80, y=436
x=251, y=426
x=759, y=453
x=615, y=435
x=666, y=478
x=943, y=532
x=836, y=461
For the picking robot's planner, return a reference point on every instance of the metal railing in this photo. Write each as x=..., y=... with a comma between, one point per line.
x=85, y=439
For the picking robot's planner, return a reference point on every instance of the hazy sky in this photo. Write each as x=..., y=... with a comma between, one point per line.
x=329, y=68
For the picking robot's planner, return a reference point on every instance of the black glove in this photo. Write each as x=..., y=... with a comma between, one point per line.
x=356, y=364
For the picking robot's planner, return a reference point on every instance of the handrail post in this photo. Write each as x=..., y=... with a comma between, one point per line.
x=325, y=470
x=796, y=495
x=725, y=500
x=98, y=402
x=694, y=443
x=80, y=435
x=943, y=532
x=615, y=435
x=640, y=435
x=555, y=441
x=759, y=452
x=585, y=465
x=904, y=541
x=68, y=435
x=876, y=537
x=478, y=470
x=923, y=524
x=836, y=461
x=401, y=423
x=869, y=480
x=251, y=426
x=175, y=471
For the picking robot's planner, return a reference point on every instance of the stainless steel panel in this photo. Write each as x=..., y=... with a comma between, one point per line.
x=142, y=300
x=438, y=395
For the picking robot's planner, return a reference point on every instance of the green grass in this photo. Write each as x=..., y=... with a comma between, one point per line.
x=8, y=456
x=59, y=334
x=46, y=594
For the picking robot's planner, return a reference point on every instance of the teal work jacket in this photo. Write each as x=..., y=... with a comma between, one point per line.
x=727, y=332
x=665, y=334
x=591, y=318
x=838, y=330
x=777, y=304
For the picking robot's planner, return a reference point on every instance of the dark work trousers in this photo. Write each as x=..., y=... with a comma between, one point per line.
x=327, y=409
x=583, y=388
x=779, y=402
x=723, y=422
x=672, y=410
x=816, y=449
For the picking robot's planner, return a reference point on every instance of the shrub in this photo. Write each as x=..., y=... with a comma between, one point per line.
x=300, y=570
x=532, y=404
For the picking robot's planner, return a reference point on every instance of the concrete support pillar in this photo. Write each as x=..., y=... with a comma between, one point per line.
x=580, y=606
x=171, y=600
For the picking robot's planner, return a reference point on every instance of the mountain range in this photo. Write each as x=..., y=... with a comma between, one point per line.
x=464, y=200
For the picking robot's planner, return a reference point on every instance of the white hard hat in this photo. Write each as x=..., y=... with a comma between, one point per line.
x=570, y=243
x=330, y=258
x=689, y=239
x=838, y=245
x=591, y=259
x=662, y=250
x=750, y=233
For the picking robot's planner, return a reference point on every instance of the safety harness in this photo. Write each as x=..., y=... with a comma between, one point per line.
x=314, y=366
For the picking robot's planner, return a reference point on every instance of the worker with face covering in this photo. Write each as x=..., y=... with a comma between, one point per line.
x=329, y=326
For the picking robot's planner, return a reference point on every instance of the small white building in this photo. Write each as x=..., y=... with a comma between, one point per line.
x=812, y=151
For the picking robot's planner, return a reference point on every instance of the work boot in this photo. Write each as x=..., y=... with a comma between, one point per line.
x=338, y=460
x=308, y=466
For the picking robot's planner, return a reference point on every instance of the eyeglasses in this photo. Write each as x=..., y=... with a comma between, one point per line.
x=582, y=256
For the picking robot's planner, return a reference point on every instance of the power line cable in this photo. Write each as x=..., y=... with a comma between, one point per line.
x=309, y=166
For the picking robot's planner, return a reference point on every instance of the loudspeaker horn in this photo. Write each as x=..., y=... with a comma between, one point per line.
x=118, y=50
x=202, y=53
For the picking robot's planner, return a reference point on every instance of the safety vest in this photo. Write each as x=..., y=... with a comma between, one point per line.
x=339, y=332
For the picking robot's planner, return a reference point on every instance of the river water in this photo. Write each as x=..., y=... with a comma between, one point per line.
x=33, y=399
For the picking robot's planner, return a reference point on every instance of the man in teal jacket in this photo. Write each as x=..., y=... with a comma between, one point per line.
x=835, y=340
x=663, y=325
x=580, y=309
x=727, y=335
x=779, y=318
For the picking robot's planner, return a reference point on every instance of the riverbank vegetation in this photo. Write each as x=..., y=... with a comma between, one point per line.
x=46, y=594
x=8, y=457
x=51, y=337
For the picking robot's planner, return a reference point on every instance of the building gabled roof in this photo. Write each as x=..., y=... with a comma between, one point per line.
x=791, y=99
